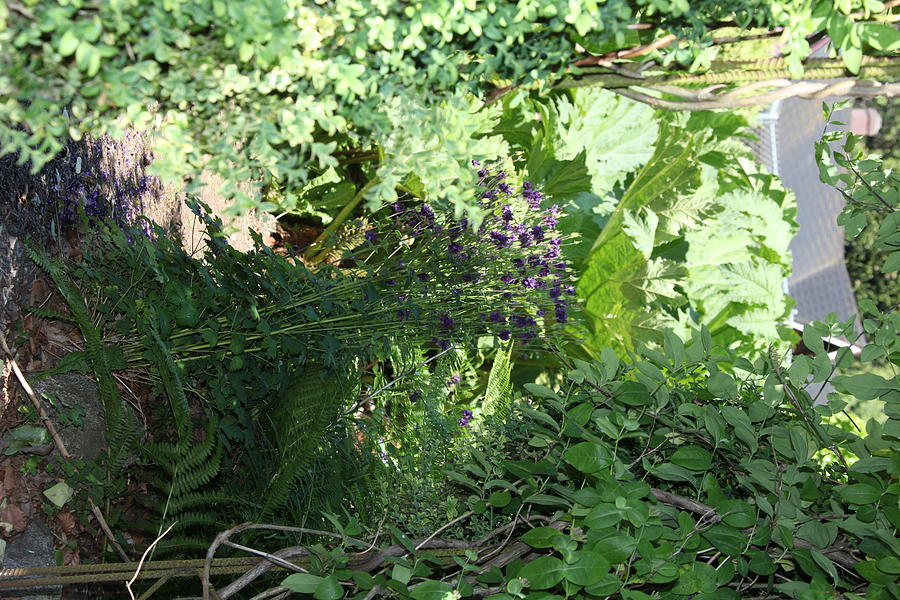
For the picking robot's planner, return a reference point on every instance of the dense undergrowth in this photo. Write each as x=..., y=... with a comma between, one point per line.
x=560, y=373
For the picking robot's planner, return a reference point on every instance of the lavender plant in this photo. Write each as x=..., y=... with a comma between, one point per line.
x=258, y=336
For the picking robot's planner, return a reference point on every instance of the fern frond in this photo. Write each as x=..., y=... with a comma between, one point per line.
x=497, y=394
x=117, y=422
x=300, y=417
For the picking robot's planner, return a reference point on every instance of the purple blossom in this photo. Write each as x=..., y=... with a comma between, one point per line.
x=530, y=283
x=537, y=232
x=500, y=240
x=505, y=188
x=496, y=317
x=507, y=213
x=446, y=321
x=454, y=248
x=414, y=396
x=525, y=240
x=371, y=236
x=504, y=335
x=561, y=314
x=508, y=279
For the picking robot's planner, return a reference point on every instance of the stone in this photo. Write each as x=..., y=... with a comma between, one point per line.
x=34, y=548
x=74, y=393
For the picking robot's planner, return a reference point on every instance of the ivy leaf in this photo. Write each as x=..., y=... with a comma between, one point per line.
x=302, y=583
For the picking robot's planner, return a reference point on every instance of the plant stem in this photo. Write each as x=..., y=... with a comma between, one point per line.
x=312, y=253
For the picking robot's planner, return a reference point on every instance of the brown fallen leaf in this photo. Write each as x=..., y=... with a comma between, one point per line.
x=66, y=522
x=39, y=291
x=12, y=521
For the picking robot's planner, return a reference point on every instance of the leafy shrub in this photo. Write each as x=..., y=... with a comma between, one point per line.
x=295, y=87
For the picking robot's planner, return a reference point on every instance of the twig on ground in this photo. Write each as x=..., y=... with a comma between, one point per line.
x=465, y=515
x=278, y=561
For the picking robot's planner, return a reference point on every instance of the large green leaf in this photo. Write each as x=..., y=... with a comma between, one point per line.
x=616, y=133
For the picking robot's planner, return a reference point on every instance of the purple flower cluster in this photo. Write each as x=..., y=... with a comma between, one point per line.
x=504, y=278
x=108, y=181
x=466, y=417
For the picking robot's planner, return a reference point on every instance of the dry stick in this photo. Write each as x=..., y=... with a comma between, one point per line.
x=58, y=441
x=277, y=591
x=266, y=555
x=143, y=557
x=223, y=537
x=465, y=515
x=260, y=568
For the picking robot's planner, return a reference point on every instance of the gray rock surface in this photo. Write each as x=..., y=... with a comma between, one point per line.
x=74, y=392
x=34, y=548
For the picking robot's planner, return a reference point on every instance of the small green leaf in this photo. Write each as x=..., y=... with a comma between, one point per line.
x=881, y=36
x=859, y=493
x=401, y=574
x=852, y=56
x=587, y=568
x=722, y=385
x=726, y=539
x=329, y=589
x=544, y=572
x=24, y=436
x=59, y=494
x=431, y=590
x=540, y=537
x=245, y=53
x=499, y=499
x=68, y=43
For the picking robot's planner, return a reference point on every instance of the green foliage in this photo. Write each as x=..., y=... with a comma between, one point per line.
x=121, y=426
x=699, y=235
x=665, y=475
x=297, y=88
x=870, y=217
